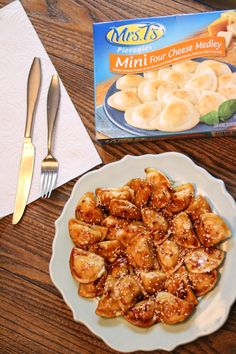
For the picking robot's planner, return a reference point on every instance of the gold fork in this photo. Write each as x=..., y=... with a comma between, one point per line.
x=49, y=167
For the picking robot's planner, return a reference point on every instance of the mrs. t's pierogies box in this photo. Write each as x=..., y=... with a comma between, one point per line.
x=164, y=77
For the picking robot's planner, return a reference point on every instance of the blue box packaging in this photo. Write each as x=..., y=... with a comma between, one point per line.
x=165, y=77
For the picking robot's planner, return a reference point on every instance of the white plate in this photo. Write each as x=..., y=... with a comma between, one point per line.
x=212, y=310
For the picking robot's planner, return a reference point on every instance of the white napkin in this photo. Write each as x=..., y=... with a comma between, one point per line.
x=19, y=44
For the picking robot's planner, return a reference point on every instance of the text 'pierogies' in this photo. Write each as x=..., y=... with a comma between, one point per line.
x=146, y=250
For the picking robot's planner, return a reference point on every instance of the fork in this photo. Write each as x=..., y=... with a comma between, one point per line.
x=49, y=167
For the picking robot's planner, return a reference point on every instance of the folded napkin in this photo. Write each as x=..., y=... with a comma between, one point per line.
x=73, y=148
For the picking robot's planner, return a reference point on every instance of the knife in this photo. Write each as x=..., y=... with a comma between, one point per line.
x=27, y=158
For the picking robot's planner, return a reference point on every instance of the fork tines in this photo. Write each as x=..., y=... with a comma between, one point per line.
x=49, y=168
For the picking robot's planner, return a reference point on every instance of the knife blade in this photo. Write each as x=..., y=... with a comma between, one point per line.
x=28, y=152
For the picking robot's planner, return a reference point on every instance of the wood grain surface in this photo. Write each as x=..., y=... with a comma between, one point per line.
x=33, y=315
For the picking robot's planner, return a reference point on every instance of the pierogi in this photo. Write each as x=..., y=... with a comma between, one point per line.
x=218, y=67
x=209, y=101
x=204, y=80
x=147, y=90
x=188, y=66
x=188, y=95
x=178, y=77
x=142, y=115
x=156, y=74
x=174, y=98
x=124, y=99
x=178, y=115
x=149, y=250
x=227, y=80
x=151, y=74
x=128, y=81
x=228, y=92
x=162, y=72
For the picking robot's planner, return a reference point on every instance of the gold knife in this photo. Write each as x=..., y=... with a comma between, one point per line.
x=27, y=158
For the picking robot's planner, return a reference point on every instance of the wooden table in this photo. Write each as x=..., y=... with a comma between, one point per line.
x=34, y=317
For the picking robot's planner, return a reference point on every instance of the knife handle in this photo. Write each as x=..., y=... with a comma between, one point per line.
x=53, y=101
x=34, y=81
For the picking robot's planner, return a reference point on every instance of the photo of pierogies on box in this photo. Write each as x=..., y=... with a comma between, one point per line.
x=176, y=98
x=146, y=250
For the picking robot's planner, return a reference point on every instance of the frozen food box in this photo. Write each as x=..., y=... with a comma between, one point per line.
x=165, y=77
